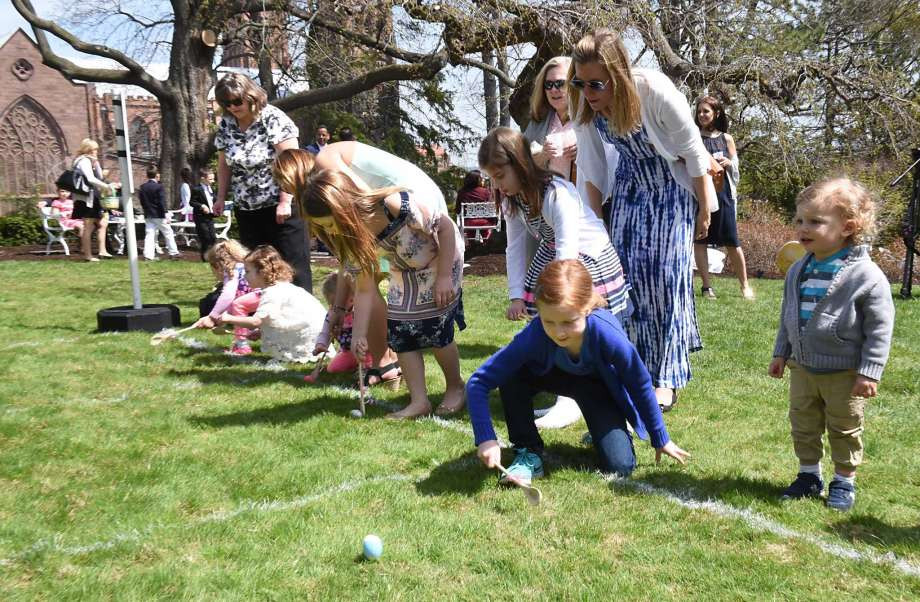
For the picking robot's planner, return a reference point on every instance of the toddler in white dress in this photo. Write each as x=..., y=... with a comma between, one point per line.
x=291, y=319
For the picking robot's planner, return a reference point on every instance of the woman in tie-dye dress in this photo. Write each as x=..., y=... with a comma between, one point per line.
x=638, y=142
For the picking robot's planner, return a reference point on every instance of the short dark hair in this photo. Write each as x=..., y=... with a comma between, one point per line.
x=321, y=127
x=204, y=172
x=346, y=134
x=152, y=173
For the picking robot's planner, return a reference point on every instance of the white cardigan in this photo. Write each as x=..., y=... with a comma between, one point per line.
x=85, y=164
x=668, y=121
x=577, y=229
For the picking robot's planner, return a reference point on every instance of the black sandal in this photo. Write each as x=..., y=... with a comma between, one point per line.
x=379, y=372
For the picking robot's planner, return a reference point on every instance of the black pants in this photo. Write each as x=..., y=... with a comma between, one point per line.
x=204, y=227
x=606, y=423
x=290, y=239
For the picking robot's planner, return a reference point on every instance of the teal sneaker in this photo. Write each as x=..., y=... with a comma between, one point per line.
x=526, y=467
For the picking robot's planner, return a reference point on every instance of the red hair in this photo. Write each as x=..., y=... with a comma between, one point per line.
x=568, y=283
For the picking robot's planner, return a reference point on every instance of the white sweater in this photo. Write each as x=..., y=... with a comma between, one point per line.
x=577, y=229
x=668, y=121
x=85, y=164
x=292, y=319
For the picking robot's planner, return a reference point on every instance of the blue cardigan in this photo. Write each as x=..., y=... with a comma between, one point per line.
x=605, y=349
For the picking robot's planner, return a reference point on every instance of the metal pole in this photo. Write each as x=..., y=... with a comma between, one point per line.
x=911, y=227
x=127, y=192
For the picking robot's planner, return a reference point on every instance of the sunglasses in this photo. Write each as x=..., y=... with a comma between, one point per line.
x=236, y=102
x=594, y=84
x=556, y=83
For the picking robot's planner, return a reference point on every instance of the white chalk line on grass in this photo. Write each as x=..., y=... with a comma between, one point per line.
x=753, y=519
x=54, y=543
x=21, y=344
x=760, y=522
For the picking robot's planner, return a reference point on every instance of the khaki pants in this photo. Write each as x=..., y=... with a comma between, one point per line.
x=819, y=401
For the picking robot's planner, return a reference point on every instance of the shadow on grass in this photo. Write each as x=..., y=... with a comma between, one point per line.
x=872, y=531
x=336, y=404
x=734, y=490
x=476, y=351
x=286, y=413
x=464, y=475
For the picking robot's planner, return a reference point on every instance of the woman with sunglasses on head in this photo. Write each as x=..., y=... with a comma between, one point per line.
x=369, y=168
x=645, y=148
x=251, y=133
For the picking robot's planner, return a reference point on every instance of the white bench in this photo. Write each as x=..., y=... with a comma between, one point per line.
x=54, y=229
x=486, y=218
x=183, y=226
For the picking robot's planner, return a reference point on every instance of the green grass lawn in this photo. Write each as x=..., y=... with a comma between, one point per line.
x=131, y=472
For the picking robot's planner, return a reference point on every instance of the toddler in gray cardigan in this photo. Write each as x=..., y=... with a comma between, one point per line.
x=834, y=335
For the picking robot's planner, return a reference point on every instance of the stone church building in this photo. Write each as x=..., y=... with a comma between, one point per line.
x=44, y=116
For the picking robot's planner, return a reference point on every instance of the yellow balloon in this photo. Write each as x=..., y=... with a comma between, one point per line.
x=788, y=254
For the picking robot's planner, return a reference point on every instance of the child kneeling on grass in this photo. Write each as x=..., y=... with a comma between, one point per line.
x=575, y=347
x=290, y=318
x=345, y=360
x=835, y=332
x=234, y=295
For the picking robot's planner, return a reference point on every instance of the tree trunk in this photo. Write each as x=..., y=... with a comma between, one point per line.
x=185, y=136
x=490, y=92
x=504, y=92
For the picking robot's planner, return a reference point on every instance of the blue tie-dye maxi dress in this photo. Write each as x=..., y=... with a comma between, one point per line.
x=652, y=220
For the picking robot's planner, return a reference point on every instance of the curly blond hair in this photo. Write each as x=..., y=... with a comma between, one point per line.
x=269, y=264
x=853, y=200
x=225, y=254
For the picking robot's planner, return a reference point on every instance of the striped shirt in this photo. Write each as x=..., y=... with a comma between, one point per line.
x=816, y=278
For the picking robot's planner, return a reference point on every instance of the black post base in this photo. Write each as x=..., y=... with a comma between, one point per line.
x=152, y=317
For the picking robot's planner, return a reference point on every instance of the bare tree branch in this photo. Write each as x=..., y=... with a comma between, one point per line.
x=410, y=71
x=135, y=74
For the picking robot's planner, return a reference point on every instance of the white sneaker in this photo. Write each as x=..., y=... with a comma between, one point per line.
x=564, y=413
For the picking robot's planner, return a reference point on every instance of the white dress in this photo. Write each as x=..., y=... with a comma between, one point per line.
x=292, y=319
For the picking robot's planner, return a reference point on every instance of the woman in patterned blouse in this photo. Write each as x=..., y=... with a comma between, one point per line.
x=251, y=133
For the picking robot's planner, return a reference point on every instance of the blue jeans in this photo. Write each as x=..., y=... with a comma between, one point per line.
x=606, y=423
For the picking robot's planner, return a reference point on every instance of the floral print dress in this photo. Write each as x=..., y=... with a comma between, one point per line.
x=250, y=155
x=410, y=244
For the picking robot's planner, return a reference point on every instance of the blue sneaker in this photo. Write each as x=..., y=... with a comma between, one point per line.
x=804, y=485
x=526, y=467
x=841, y=495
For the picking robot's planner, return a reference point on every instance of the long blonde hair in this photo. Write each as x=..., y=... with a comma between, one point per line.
x=291, y=169
x=332, y=193
x=605, y=47
x=506, y=148
x=539, y=106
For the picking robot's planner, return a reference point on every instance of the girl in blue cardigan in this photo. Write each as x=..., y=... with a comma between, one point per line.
x=577, y=349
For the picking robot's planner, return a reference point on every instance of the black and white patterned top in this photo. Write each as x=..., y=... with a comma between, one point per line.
x=250, y=154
